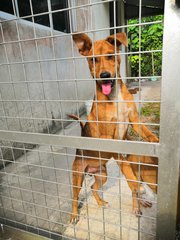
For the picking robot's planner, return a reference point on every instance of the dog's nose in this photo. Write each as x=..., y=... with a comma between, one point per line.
x=105, y=75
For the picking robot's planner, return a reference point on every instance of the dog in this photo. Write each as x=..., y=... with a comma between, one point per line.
x=106, y=121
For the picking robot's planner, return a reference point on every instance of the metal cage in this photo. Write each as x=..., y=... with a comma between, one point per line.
x=43, y=78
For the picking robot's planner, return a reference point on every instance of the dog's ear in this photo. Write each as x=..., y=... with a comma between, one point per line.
x=83, y=42
x=120, y=38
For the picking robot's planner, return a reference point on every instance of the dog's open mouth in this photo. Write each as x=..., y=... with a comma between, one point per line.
x=107, y=86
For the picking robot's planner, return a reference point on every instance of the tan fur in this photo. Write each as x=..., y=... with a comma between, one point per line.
x=88, y=161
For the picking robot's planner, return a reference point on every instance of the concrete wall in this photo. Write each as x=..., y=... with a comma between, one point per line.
x=89, y=18
x=27, y=53
x=101, y=19
x=26, y=78
x=31, y=81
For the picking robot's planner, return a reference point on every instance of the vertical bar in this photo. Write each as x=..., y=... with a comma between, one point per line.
x=139, y=113
x=59, y=107
x=77, y=106
x=152, y=56
x=16, y=11
x=98, y=126
x=169, y=128
x=117, y=22
x=46, y=112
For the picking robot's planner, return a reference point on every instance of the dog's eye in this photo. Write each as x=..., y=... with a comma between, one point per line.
x=94, y=59
x=110, y=57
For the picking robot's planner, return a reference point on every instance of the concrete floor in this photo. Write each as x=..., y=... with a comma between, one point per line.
x=107, y=221
x=36, y=187
x=36, y=191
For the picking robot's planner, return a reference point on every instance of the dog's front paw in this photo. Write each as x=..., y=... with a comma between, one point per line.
x=152, y=138
x=74, y=219
x=102, y=203
x=137, y=211
x=145, y=203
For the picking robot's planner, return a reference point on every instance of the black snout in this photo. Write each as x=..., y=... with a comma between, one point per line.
x=105, y=75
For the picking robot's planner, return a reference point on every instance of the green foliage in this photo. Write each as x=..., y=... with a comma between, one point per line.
x=149, y=113
x=151, y=39
x=151, y=109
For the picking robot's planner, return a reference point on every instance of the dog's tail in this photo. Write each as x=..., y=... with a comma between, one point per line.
x=76, y=118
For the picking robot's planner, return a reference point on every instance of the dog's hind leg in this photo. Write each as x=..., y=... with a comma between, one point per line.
x=78, y=169
x=148, y=173
x=100, y=180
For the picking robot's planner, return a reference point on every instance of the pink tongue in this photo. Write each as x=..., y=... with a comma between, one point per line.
x=106, y=88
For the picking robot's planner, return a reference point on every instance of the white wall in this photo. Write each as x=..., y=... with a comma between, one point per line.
x=31, y=80
x=101, y=19
x=90, y=18
x=34, y=72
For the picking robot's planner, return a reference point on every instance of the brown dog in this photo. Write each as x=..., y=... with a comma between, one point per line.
x=106, y=121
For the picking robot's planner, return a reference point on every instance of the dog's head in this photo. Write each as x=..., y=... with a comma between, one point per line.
x=103, y=63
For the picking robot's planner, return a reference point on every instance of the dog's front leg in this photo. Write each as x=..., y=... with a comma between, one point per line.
x=141, y=129
x=77, y=180
x=133, y=184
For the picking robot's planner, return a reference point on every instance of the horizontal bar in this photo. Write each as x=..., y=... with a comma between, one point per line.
x=79, y=101
x=75, y=79
x=97, y=144
x=80, y=120
x=78, y=57
x=86, y=31
x=59, y=10
x=69, y=155
x=60, y=210
x=44, y=194
x=70, y=172
x=52, y=221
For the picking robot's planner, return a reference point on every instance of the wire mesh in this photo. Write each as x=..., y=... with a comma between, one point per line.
x=43, y=80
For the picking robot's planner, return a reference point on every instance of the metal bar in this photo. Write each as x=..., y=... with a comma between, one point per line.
x=169, y=130
x=67, y=170
x=64, y=9
x=70, y=121
x=86, y=31
x=69, y=184
x=92, y=231
x=70, y=101
x=72, y=80
x=70, y=58
x=81, y=201
x=91, y=30
x=71, y=142
x=139, y=148
x=139, y=104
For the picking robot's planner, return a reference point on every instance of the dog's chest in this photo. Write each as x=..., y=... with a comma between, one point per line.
x=122, y=117
x=115, y=118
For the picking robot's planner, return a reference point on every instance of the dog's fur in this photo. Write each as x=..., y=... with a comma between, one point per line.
x=102, y=122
